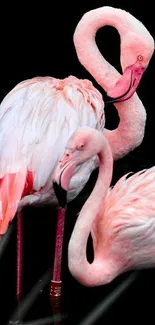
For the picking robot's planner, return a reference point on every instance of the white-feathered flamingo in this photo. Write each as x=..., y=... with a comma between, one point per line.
x=121, y=219
x=39, y=115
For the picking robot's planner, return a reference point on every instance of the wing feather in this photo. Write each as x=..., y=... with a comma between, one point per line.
x=130, y=199
x=37, y=118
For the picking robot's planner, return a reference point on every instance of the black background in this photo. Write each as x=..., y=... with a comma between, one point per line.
x=36, y=40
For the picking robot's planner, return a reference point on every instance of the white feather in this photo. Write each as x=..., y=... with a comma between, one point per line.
x=36, y=120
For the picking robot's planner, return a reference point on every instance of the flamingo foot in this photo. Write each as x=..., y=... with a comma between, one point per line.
x=19, y=256
x=56, y=283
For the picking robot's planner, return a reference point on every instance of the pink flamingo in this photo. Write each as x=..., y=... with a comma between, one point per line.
x=121, y=220
x=39, y=115
x=136, y=49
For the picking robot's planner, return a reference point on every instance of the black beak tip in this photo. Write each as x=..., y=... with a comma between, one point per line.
x=61, y=194
x=110, y=100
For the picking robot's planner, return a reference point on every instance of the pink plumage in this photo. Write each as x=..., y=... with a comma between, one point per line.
x=39, y=115
x=128, y=219
x=121, y=219
x=134, y=196
x=31, y=117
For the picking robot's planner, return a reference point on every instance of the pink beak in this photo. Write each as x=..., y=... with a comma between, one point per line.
x=126, y=86
x=62, y=177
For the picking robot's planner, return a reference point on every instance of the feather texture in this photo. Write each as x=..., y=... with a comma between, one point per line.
x=36, y=119
x=125, y=224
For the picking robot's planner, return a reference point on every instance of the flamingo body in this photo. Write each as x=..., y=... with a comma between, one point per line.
x=121, y=219
x=36, y=119
x=125, y=226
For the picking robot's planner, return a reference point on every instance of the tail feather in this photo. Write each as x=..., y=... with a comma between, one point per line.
x=11, y=190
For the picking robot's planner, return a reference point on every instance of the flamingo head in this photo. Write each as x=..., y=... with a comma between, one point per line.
x=82, y=145
x=136, y=52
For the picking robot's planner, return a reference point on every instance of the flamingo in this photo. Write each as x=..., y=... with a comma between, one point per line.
x=120, y=219
x=38, y=116
x=136, y=49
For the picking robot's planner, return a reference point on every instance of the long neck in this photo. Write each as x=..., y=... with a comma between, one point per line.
x=78, y=264
x=130, y=131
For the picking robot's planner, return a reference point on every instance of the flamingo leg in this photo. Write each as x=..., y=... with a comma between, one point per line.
x=19, y=256
x=55, y=288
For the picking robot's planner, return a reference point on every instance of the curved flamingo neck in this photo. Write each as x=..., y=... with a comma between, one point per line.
x=78, y=264
x=87, y=51
x=130, y=131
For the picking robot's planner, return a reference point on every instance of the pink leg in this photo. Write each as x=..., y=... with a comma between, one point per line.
x=55, y=289
x=19, y=255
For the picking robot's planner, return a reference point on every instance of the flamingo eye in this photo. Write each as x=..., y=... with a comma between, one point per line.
x=140, y=57
x=81, y=146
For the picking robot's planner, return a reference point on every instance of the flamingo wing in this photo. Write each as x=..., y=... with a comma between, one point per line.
x=36, y=119
x=131, y=198
x=127, y=215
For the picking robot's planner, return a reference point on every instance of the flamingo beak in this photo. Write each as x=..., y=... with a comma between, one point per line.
x=126, y=86
x=61, y=194
x=61, y=178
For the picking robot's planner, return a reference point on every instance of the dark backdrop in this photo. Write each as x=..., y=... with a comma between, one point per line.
x=37, y=41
